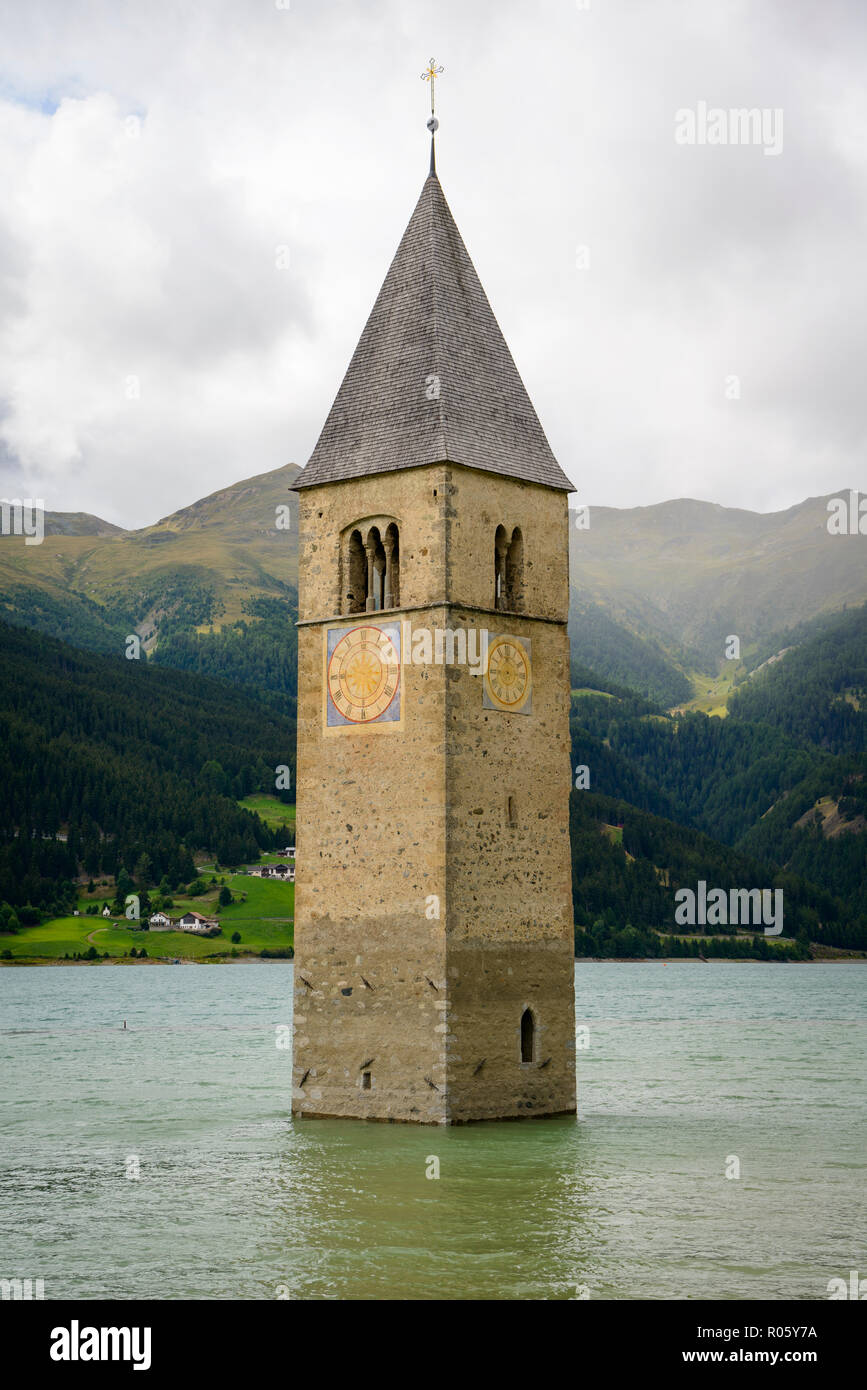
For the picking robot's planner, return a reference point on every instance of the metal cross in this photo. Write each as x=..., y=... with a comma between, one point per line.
x=430, y=74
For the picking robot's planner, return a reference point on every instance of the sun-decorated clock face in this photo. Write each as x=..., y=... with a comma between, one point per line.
x=508, y=680
x=362, y=675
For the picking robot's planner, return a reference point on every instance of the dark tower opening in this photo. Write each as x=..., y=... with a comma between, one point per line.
x=391, y=545
x=356, y=588
x=501, y=545
x=515, y=572
x=528, y=1036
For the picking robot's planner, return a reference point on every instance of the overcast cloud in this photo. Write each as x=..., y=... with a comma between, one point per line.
x=158, y=160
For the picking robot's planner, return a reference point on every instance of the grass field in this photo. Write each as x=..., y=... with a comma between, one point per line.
x=711, y=692
x=272, y=811
x=264, y=920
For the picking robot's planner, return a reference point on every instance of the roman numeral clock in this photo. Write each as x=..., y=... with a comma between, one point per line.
x=362, y=676
x=508, y=679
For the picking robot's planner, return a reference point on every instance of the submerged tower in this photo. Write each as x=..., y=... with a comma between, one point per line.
x=434, y=935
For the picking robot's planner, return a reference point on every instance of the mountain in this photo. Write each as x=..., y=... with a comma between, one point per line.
x=79, y=524
x=816, y=691
x=628, y=866
x=226, y=565
x=782, y=781
x=655, y=590
x=108, y=765
x=687, y=574
x=608, y=647
x=774, y=790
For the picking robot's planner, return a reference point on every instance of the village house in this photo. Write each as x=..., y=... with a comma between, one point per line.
x=195, y=922
x=160, y=921
x=284, y=872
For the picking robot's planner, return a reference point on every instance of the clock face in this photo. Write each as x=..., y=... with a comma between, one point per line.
x=362, y=675
x=508, y=676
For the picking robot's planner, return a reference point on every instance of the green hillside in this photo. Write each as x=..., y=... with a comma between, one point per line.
x=213, y=587
x=655, y=590
x=783, y=780
x=817, y=692
x=598, y=641
x=130, y=771
x=687, y=574
x=125, y=771
x=624, y=886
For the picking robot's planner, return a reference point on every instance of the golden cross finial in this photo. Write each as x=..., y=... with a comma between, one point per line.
x=430, y=74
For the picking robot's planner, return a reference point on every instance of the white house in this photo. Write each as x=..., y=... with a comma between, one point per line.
x=160, y=921
x=105, y=912
x=194, y=921
x=284, y=872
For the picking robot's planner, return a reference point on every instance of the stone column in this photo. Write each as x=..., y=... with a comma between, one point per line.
x=388, y=547
x=370, y=547
x=500, y=576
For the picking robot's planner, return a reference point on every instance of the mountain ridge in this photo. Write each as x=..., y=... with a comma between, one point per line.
x=656, y=590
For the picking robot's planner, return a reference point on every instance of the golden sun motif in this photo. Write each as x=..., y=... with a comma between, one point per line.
x=363, y=675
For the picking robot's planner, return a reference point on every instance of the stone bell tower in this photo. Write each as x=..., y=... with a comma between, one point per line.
x=434, y=935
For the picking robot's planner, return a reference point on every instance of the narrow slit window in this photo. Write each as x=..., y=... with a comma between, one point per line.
x=511, y=810
x=528, y=1036
x=365, y=1081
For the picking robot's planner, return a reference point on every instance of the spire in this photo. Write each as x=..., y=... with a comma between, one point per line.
x=430, y=74
x=432, y=379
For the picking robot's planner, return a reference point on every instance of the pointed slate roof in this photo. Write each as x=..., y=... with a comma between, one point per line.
x=432, y=320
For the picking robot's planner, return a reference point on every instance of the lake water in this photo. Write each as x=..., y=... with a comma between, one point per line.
x=688, y=1066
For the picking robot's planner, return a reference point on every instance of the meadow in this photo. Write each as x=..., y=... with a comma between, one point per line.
x=263, y=914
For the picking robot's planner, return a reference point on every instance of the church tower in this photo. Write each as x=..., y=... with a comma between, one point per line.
x=433, y=913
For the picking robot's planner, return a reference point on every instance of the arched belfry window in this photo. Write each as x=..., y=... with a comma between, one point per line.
x=370, y=561
x=528, y=1036
x=356, y=566
x=501, y=545
x=508, y=570
x=375, y=570
x=391, y=545
x=515, y=571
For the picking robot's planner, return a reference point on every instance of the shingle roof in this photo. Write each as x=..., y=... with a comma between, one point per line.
x=432, y=320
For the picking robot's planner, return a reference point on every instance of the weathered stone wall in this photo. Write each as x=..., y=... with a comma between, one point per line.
x=370, y=854
x=392, y=815
x=415, y=498
x=509, y=924
x=489, y=987
x=477, y=503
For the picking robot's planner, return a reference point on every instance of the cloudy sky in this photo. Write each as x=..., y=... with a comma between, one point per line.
x=200, y=201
